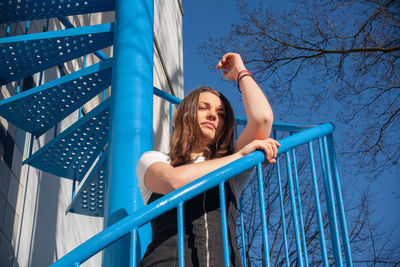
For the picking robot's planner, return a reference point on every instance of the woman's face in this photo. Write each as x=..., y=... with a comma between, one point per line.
x=210, y=115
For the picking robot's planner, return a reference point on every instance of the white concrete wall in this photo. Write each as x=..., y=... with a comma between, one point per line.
x=36, y=231
x=168, y=66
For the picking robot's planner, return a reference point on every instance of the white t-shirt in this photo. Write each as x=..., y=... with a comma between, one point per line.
x=150, y=157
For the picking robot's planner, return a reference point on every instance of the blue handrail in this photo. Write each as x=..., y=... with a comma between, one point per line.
x=173, y=199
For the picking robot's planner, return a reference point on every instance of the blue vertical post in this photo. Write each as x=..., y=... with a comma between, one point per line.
x=224, y=223
x=263, y=215
x=338, y=193
x=294, y=212
x=181, y=240
x=131, y=128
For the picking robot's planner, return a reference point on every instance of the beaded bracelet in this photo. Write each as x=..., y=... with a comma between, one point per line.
x=248, y=73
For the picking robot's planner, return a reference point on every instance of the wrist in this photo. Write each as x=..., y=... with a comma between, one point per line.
x=242, y=74
x=238, y=155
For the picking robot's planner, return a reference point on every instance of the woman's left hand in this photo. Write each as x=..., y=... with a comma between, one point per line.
x=233, y=64
x=269, y=146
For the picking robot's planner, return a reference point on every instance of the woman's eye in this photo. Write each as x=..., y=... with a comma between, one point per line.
x=202, y=108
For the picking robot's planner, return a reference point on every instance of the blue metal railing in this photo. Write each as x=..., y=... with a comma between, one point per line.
x=305, y=134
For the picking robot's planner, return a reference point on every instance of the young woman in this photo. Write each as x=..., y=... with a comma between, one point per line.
x=202, y=141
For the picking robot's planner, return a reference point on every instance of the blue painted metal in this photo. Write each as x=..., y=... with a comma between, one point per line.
x=7, y=30
x=131, y=117
x=296, y=184
x=224, y=224
x=69, y=25
x=73, y=191
x=170, y=118
x=39, y=109
x=18, y=83
x=25, y=55
x=164, y=95
x=73, y=151
x=27, y=27
x=45, y=29
x=263, y=215
x=91, y=196
x=318, y=207
x=330, y=203
x=338, y=194
x=282, y=207
x=294, y=212
x=15, y=11
x=134, y=242
x=181, y=248
x=172, y=200
x=244, y=260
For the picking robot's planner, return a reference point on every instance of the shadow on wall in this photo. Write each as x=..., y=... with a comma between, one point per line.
x=43, y=244
x=163, y=129
x=44, y=247
x=8, y=200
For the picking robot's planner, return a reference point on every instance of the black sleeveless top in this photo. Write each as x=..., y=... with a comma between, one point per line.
x=202, y=232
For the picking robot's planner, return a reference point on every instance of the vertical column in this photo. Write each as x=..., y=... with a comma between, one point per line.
x=131, y=122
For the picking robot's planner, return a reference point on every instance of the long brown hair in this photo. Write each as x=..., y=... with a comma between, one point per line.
x=187, y=134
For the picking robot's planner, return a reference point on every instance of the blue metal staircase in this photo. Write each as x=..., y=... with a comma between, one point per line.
x=15, y=11
x=28, y=54
x=73, y=152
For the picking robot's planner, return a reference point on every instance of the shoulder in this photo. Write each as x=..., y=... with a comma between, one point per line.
x=149, y=158
x=154, y=156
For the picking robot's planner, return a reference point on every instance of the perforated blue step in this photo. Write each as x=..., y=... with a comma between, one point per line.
x=90, y=198
x=24, y=55
x=72, y=152
x=40, y=108
x=21, y=10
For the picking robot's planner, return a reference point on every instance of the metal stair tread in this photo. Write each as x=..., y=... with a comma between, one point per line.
x=15, y=11
x=25, y=55
x=71, y=153
x=91, y=196
x=40, y=108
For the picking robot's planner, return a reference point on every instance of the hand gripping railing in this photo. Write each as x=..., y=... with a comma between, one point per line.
x=175, y=199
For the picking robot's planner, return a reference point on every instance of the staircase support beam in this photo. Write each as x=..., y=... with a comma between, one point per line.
x=131, y=128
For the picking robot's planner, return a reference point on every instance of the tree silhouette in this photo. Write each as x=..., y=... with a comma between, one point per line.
x=369, y=244
x=326, y=55
x=338, y=58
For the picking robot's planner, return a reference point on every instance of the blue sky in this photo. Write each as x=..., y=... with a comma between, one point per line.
x=211, y=19
x=202, y=20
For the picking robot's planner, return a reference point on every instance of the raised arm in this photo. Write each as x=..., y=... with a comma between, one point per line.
x=160, y=177
x=258, y=111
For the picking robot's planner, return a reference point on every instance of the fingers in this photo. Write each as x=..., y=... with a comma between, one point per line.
x=270, y=148
x=269, y=153
x=224, y=62
x=275, y=147
x=233, y=64
x=229, y=60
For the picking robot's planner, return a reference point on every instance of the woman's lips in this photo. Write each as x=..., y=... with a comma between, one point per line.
x=210, y=125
